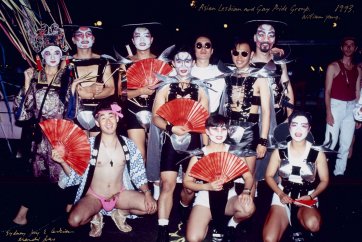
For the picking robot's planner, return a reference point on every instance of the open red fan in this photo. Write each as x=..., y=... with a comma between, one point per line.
x=305, y=203
x=67, y=137
x=142, y=73
x=185, y=112
x=219, y=165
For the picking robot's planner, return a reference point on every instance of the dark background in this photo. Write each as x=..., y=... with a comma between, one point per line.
x=312, y=41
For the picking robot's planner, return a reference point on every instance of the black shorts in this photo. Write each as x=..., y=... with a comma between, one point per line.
x=170, y=157
x=132, y=109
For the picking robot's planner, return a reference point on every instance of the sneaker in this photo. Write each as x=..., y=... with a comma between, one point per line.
x=96, y=225
x=162, y=235
x=217, y=236
x=297, y=237
x=120, y=220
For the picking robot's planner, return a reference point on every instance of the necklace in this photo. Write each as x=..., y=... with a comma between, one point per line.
x=107, y=152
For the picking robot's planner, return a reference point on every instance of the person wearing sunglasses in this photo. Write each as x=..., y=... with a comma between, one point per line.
x=203, y=69
x=244, y=95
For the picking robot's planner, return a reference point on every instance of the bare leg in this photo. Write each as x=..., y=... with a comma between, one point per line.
x=84, y=210
x=275, y=224
x=20, y=217
x=239, y=211
x=197, y=225
x=168, y=180
x=310, y=218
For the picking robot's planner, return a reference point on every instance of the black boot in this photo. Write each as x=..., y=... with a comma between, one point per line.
x=229, y=235
x=184, y=213
x=162, y=235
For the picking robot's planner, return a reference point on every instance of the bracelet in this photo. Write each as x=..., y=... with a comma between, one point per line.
x=263, y=142
x=311, y=198
x=148, y=190
x=169, y=128
x=247, y=191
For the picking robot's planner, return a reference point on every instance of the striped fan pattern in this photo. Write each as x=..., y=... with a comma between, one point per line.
x=66, y=136
x=219, y=165
x=185, y=112
x=142, y=72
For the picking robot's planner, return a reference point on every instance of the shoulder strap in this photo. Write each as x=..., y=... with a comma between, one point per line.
x=127, y=157
x=282, y=153
x=94, y=155
x=312, y=156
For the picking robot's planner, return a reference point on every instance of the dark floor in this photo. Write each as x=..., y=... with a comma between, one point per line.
x=340, y=206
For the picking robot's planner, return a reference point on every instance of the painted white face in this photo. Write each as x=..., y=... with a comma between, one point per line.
x=84, y=38
x=52, y=55
x=217, y=134
x=265, y=37
x=142, y=38
x=183, y=63
x=299, y=128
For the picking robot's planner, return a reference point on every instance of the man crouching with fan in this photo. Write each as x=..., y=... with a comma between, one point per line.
x=115, y=181
x=216, y=194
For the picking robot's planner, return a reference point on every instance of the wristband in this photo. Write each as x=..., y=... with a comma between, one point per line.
x=263, y=142
x=148, y=190
x=169, y=128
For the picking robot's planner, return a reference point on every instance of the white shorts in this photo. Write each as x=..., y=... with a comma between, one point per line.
x=276, y=201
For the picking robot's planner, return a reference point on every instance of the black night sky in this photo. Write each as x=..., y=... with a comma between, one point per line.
x=313, y=32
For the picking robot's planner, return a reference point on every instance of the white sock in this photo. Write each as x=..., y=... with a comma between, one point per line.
x=232, y=223
x=163, y=222
x=183, y=205
x=156, y=191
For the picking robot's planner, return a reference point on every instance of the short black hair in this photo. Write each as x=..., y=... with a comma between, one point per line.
x=104, y=105
x=239, y=41
x=216, y=120
x=297, y=113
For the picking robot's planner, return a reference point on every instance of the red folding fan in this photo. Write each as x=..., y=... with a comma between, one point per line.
x=185, y=112
x=142, y=73
x=219, y=165
x=68, y=138
x=305, y=203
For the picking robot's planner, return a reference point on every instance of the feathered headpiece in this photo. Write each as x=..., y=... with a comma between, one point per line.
x=46, y=36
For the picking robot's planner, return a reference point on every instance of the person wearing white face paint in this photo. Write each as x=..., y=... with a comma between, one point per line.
x=93, y=80
x=265, y=38
x=142, y=98
x=183, y=88
x=205, y=207
x=42, y=98
x=203, y=69
x=282, y=98
x=342, y=91
x=297, y=166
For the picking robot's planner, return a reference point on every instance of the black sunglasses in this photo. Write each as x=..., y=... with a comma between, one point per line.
x=242, y=53
x=206, y=46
